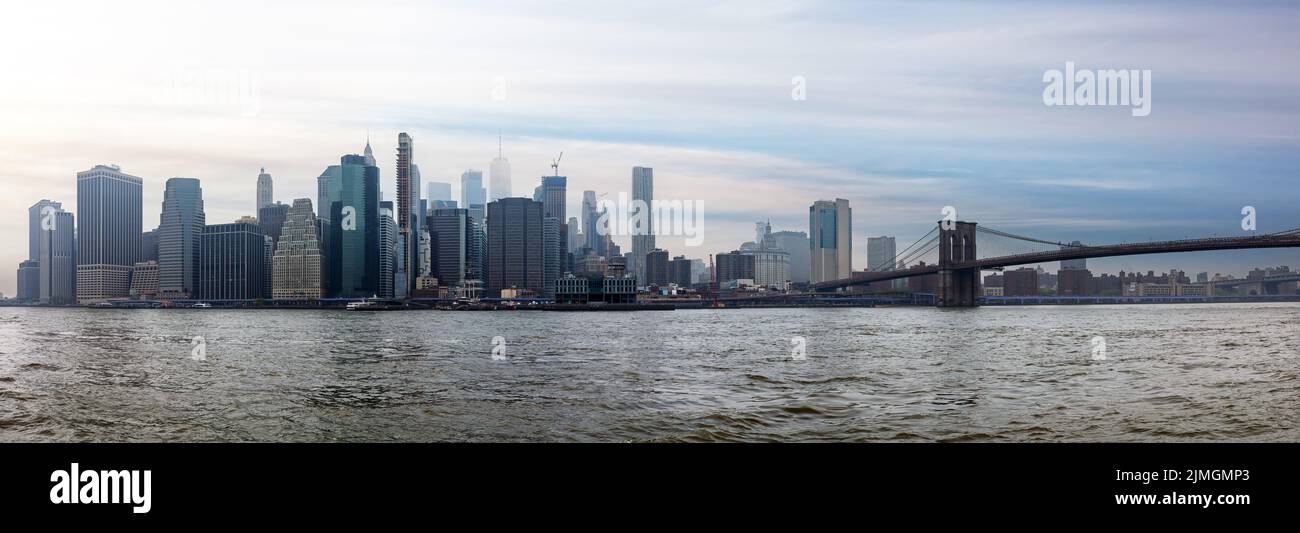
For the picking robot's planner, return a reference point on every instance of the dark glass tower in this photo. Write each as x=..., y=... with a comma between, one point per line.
x=180, y=235
x=354, y=229
x=234, y=262
x=515, y=246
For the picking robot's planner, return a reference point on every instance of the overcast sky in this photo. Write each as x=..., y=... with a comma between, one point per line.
x=910, y=106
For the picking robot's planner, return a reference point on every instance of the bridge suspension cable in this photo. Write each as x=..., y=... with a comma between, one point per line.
x=991, y=231
x=904, y=256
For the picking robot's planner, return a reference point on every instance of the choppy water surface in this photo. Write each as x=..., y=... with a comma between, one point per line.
x=1173, y=372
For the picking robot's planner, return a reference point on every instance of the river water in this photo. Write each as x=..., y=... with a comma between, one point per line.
x=1212, y=372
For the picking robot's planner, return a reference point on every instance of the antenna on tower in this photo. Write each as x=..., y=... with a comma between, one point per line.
x=555, y=164
x=498, y=144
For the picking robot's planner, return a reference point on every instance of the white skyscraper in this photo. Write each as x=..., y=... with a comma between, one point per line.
x=264, y=191
x=499, y=178
x=831, y=236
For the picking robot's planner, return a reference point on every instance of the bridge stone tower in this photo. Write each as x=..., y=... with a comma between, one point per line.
x=958, y=287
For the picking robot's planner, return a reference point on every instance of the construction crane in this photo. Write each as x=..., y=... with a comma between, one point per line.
x=555, y=164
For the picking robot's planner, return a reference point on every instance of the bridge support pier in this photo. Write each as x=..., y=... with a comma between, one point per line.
x=958, y=287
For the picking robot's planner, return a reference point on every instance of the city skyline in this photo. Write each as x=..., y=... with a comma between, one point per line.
x=900, y=123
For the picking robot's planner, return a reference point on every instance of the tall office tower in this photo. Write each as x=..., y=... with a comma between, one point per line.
x=234, y=262
x=180, y=239
x=515, y=246
x=354, y=230
x=831, y=239
x=796, y=244
x=552, y=253
x=477, y=245
x=554, y=190
x=149, y=245
x=418, y=219
x=881, y=252
x=643, y=238
x=449, y=243
x=323, y=240
x=500, y=174
x=552, y=193
x=264, y=191
x=407, y=195
x=29, y=281
x=472, y=194
x=1074, y=264
x=679, y=272
x=271, y=218
x=35, y=215
x=437, y=191
x=574, y=239
x=57, y=258
x=326, y=182
x=297, y=259
x=656, y=268
x=591, y=235
x=388, y=252
x=109, y=206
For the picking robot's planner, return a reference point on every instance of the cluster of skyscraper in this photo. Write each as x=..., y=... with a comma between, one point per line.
x=353, y=244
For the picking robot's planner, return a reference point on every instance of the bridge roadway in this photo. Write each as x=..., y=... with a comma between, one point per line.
x=1286, y=240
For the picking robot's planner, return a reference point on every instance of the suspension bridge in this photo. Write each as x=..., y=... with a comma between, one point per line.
x=954, y=258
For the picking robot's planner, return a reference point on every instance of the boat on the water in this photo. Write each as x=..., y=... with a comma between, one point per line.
x=376, y=304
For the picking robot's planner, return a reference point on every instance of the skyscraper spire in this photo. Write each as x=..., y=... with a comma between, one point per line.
x=368, y=152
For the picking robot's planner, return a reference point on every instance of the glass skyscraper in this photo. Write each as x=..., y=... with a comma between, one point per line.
x=234, y=262
x=830, y=239
x=643, y=239
x=515, y=246
x=180, y=235
x=57, y=257
x=354, y=229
